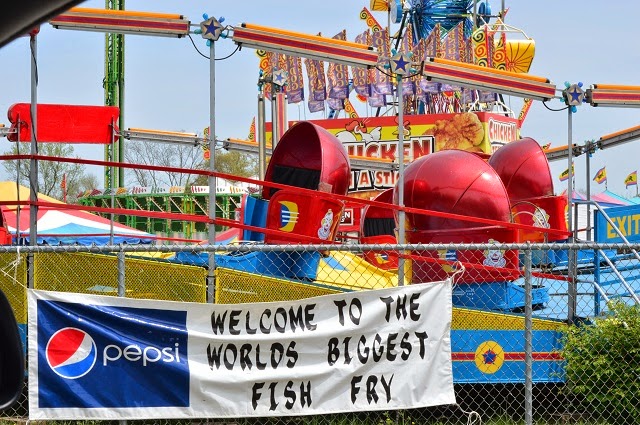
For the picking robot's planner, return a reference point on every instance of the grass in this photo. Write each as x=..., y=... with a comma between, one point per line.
x=350, y=419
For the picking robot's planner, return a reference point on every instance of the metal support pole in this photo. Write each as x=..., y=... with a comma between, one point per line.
x=33, y=169
x=570, y=180
x=211, y=281
x=475, y=14
x=572, y=285
x=588, y=161
x=275, y=128
x=120, y=180
x=121, y=285
x=113, y=187
x=528, y=340
x=18, y=167
x=401, y=213
x=262, y=140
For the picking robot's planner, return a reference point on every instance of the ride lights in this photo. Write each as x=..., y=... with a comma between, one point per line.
x=482, y=78
x=619, y=137
x=5, y=131
x=562, y=152
x=123, y=22
x=309, y=46
x=613, y=95
x=163, y=136
x=244, y=146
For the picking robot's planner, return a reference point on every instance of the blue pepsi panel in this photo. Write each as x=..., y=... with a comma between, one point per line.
x=626, y=219
x=104, y=356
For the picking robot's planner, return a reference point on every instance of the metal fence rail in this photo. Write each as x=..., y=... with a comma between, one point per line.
x=517, y=309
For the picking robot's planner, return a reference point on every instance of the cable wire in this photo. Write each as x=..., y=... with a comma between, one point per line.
x=196, y=47
x=207, y=57
x=554, y=110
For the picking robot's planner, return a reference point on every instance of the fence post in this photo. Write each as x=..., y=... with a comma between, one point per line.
x=528, y=343
x=572, y=290
x=121, y=287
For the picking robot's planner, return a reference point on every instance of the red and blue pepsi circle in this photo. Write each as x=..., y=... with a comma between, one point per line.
x=71, y=353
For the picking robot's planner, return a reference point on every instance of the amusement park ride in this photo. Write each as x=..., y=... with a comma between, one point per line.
x=446, y=165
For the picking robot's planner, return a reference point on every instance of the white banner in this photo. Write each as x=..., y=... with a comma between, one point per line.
x=118, y=358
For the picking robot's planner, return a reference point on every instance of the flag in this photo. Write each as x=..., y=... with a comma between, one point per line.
x=631, y=180
x=482, y=42
x=601, y=175
x=295, y=83
x=408, y=84
x=361, y=75
x=252, y=130
x=63, y=186
x=565, y=174
x=338, y=75
x=454, y=44
x=349, y=109
x=317, y=90
x=335, y=104
x=500, y=53
x=381, y=81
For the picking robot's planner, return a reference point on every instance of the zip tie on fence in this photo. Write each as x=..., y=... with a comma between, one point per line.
x=13, y=265
x=460, y=269
x=16, y=263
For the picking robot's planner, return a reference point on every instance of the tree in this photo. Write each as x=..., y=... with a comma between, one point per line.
x=75, y=188
x=50, y=173
x=603, y=363
x=182, y=156
x=232, y=162
x=165, y=155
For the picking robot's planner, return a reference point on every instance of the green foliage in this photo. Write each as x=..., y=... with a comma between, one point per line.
x=603, y=363
x=231, y=162
x=50, y=173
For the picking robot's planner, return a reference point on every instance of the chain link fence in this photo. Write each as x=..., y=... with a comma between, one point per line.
x=541, y=333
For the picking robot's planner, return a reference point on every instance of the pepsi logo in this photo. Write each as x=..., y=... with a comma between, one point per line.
x=71, y=353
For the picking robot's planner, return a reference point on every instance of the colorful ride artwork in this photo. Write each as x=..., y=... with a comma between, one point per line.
x=468, y=163
x=376, y=138
x=487, y=332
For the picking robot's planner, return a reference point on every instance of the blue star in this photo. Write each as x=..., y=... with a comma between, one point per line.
x=279, y=78
x=576, y=95
x=489, y=357
x=212, y=27
x=401, y=63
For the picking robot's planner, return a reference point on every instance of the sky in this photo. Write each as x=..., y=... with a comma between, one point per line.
x=167, y=80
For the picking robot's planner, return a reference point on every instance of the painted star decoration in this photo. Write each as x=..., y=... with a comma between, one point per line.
x=400, y=64
x=279, y=77
x=575, y=95
x=211, y=29
x=489, y=357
